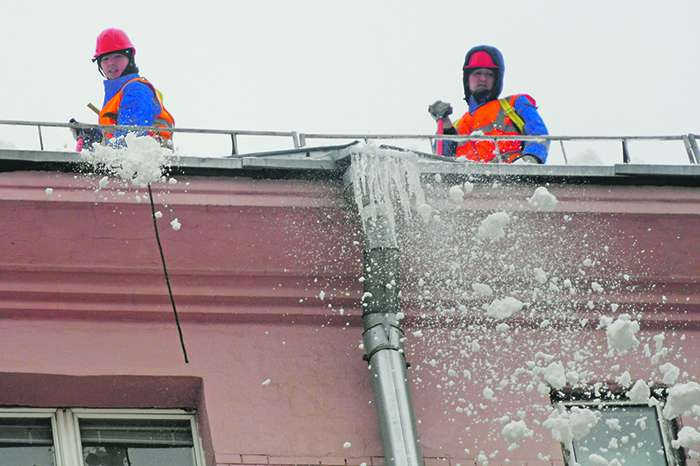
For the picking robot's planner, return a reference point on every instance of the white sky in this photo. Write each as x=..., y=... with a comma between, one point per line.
x=595, y=67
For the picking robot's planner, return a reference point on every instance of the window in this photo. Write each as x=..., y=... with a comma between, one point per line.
x=632, y=434
x=26, y=441
x=84, y=437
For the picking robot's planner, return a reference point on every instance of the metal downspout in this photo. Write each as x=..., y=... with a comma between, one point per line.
x=383, y=340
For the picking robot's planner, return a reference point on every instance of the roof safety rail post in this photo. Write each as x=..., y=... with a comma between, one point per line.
x=302, y=140
x=563, y=152
x=41, y=139
x=496, y=151
x=691, y=146
x=234, y=144
x=625, y=152
x=295, y=136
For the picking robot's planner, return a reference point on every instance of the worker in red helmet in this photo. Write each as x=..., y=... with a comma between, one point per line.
x=130, y=100
x=488, y=115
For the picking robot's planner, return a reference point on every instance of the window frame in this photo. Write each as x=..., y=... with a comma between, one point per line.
x=65, y=427
x=668, y=427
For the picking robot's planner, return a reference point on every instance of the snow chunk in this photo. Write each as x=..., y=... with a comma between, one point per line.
x=175, y=224
x=543, y=200
x=597, y=460
x=640, y=392
x=424, y=210
x=687, y=438
x=573, y=377
x=621, y=333
x=581, y=421
x=540, y=276
x=515, y=430
x=502, y=327
x=266, y=382
x=613, y=424
x=681, y=398
x=555, y=375
x=49, y=191
x=140, y=161
x=492, y=226
x=503, y=308
x=570, y=425
x=670, y=373
x=456, y=194
x=482, y=289
x=347, y=445
x=625, y=379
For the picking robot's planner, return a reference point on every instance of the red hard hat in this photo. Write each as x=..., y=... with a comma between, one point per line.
x=111, y=40
x=481, y=60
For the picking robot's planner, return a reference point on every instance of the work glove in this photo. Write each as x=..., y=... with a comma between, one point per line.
x=440, y=110
x=89, y=135
x=527, y=159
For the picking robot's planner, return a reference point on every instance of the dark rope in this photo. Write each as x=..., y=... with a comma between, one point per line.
x=165, y=271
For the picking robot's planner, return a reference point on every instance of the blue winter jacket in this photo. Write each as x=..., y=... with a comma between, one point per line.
x=138, y=106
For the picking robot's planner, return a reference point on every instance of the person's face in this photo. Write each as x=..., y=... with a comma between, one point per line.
x=114, y=64
x=481, y=80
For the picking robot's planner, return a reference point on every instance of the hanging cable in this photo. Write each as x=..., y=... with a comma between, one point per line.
x=165, y=271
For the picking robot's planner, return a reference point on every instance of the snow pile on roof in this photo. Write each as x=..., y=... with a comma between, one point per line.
x=587, y=157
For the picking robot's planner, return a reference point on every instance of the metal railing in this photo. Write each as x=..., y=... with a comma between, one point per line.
x=299, y=140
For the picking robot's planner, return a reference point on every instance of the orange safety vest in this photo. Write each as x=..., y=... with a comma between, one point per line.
x=109, y=115
x=489, y=119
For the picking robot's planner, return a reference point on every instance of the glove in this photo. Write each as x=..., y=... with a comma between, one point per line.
x=440, y=110
x=89, y=135
x=527, y=159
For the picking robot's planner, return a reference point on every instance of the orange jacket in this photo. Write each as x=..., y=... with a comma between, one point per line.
x=109, y=115
x=489, y=119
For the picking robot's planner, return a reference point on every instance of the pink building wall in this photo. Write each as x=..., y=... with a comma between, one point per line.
x=266, y=279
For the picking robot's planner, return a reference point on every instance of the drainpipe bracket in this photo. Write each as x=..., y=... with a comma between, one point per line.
x=368, y=357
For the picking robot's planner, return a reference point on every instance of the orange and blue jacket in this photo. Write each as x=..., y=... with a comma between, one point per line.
x=491, y=119
x=132, y=100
